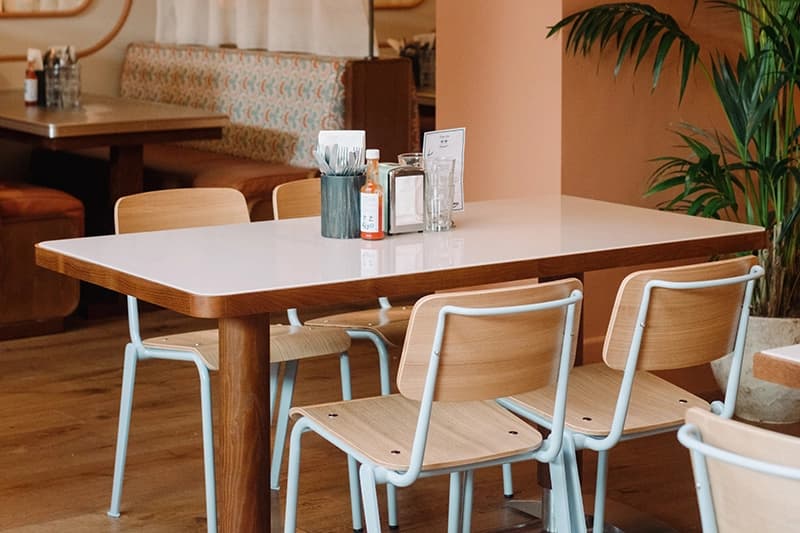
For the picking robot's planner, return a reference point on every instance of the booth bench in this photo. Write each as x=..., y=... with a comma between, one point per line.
x=277, y=103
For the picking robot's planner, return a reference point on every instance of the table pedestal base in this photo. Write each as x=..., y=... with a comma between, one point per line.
x=625, y=518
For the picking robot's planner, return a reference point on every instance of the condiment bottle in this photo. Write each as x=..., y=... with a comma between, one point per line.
x=372, y=200
x=31, y=85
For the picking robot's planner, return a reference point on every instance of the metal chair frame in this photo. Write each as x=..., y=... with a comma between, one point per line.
x=135, y=351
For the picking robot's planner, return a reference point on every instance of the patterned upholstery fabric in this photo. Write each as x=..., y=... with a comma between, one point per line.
x=277, y=102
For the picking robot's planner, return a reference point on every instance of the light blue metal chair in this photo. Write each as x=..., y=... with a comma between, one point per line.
x=384, y=326
x=462, y=351
x=746, y=478
x=662, y=319
x=182, y=208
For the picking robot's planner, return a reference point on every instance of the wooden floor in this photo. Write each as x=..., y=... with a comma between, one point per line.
x=58, y=418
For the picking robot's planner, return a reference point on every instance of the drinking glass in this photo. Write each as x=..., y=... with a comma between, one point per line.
x=63, y=86
x=71, y=85
x=439, y=191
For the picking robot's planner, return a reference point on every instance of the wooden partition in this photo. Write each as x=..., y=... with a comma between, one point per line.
x=374, y=103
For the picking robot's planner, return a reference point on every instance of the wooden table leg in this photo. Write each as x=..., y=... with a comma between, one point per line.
x=243, y=453
x=126, y=170
x=125, y=177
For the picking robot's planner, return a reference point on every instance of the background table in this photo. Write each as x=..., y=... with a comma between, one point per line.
x=122, y=124
x=241, y=273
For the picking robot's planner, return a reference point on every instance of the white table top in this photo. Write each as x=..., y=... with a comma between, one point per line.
x=790, y=354
x=576, y=234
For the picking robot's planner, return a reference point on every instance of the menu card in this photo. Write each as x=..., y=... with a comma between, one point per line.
x=449, y=143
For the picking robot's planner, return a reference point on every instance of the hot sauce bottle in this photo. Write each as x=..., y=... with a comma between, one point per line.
x=31, y=90
x=372, y=200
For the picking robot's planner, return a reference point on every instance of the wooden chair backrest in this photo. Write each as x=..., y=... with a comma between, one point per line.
x=683, y=327
x=295, y=199
x=489, y=356
x=180, y=208
x=746, y=500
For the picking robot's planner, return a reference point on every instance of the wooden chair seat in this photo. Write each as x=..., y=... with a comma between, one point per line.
x=286, y=343
x=390, y=324
x=655, y=403
x=382, y=429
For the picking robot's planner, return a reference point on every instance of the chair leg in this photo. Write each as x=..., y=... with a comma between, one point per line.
x=273, y=386
x=560, y=493
x=391, y=505
x=383, y=356
x=293, y=476
x=574, y=494
x=355, y=494
x=454, y=506
x=282, y=423
x=370, y=496
x=125, y=409
x=344, y=372
x=600, y=491
x=352, y=465
x=385, y=378
x=208, y=448
x=466, y=513
x=508, y=481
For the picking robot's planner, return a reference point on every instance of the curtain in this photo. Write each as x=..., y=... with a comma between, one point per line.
x=325, y=27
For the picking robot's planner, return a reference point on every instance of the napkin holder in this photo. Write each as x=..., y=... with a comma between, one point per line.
x=403, y=188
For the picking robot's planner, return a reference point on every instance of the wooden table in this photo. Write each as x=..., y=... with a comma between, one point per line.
x=239, y=274
x=779, y=365
x=122, y=124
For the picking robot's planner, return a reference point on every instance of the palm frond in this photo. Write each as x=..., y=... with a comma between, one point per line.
x=636, y=27
x=703, y=184
x=752, y=171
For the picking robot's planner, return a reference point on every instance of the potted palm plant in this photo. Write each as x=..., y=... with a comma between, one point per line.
x=748, y=172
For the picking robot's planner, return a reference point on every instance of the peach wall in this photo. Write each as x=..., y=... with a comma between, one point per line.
x=613, y=127
x=587, y=133
x=501, y=80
